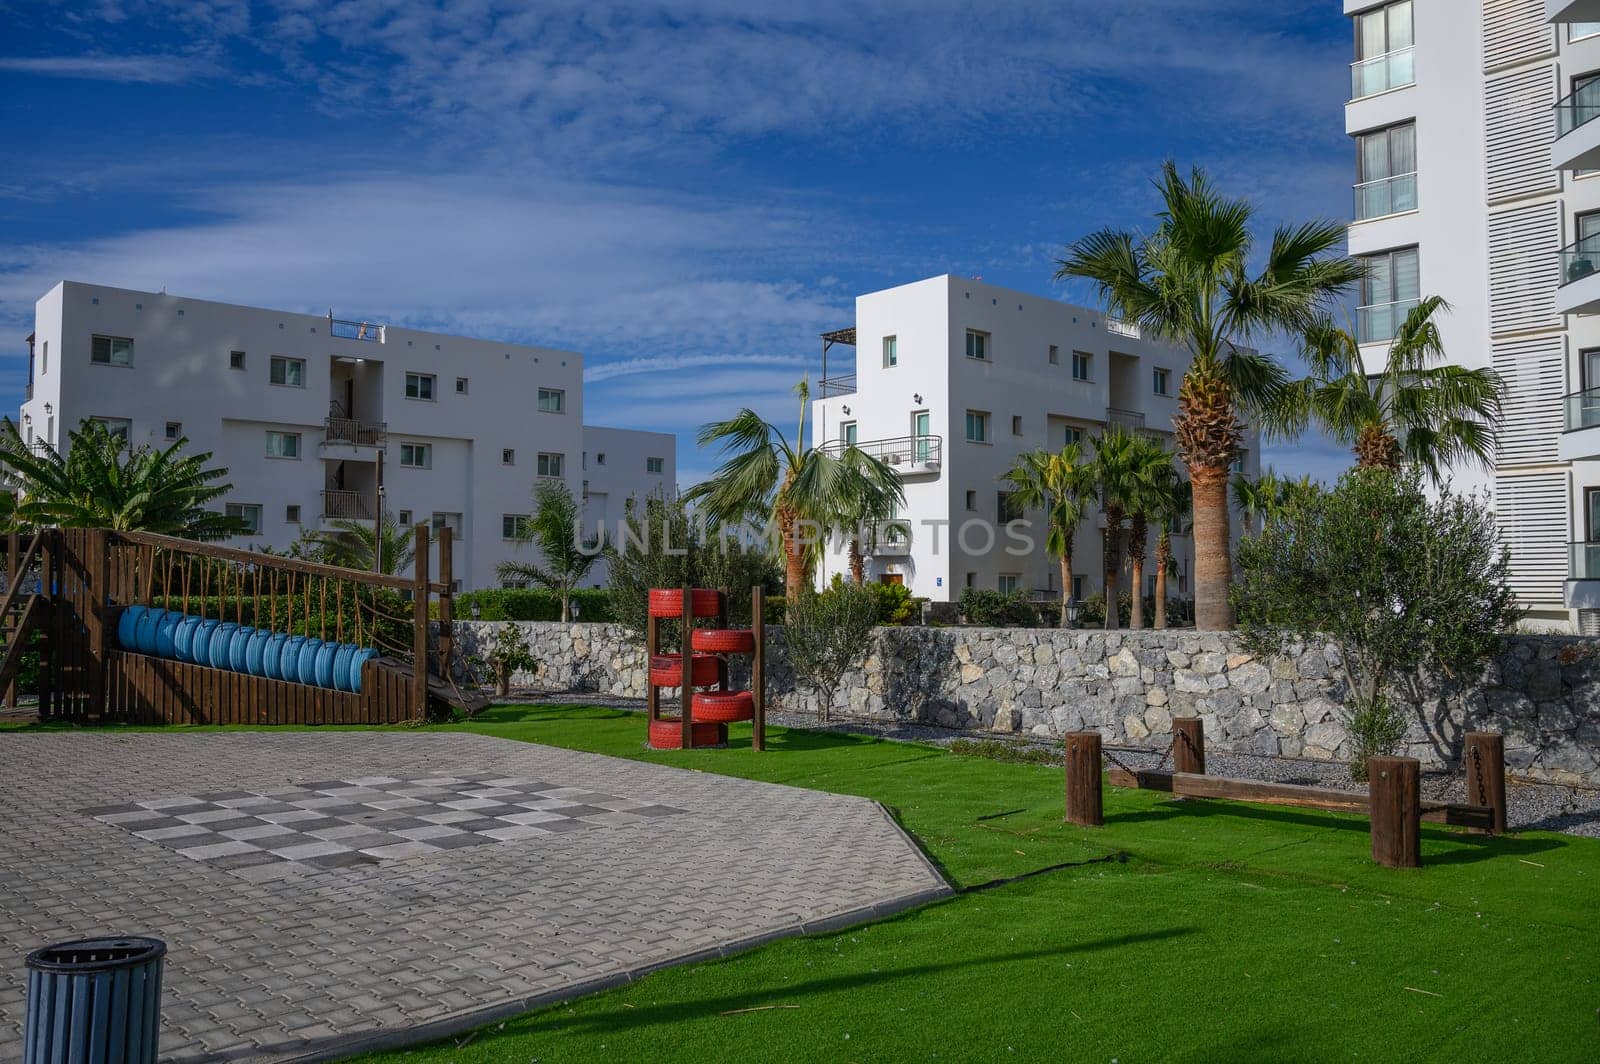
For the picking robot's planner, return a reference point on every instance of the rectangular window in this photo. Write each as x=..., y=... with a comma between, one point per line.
x=1055, y=355
x=1384, y=39
x=1577, y=31
x=1016, y=424
x=978, y=345
x=174, y=430
x=1008, y=583
x=461, y=386
x=289, y=372
x=111, y=351
x=514, y=585
x=847, y=433
x=404, y=517
x=236, y=360
x=514, y=526
x=416, y=455
x=552, y=400
x=250, y=512
x=891, y=352
x=551, y=465
x=1238, y=463
x=283, y=445
x=1082, y=361
x=1079, y=584
x=599, y=458
x=1161, y=381
x=1006, y=509
x=1591, y=513
x=44, y=358
x=1389, y=291
x=419, y=385
x=977, y=426
x=1386, y=171
x=972, y=500
x=442, y=521
x=655, y=465
x=508, y=456
x=115, y=426
x=972, y=579
x=1070, y=435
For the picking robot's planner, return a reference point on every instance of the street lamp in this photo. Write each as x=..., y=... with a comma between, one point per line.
x=576, y=610
x=477, y=610
x=1072, y=612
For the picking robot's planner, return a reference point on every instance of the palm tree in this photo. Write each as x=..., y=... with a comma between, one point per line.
x=863, y=504
x=104, y=483
x=799, y=487
x=1118, y=475
x=1417, y=410
x=1173, y=511
x=1060, y=485
x=350, y=544
x=556, y=529
x=1151, y=473
x=1188, y=281
x=1256, y=498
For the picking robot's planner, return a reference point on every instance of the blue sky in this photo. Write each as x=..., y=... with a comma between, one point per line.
x=686, y=193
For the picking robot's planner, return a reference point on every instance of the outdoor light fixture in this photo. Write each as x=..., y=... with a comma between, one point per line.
x=576, y=610
x=1072, y=612
x=847, y=411
x=916, y=397
x=477, y=611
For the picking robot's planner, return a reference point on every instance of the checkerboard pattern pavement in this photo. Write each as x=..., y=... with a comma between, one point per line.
x=339, y=823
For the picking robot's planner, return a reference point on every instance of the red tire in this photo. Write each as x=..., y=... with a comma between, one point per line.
x=668, y=602
x=667, y=734
x=724, y=640
x=723, y=707
x=666, y=670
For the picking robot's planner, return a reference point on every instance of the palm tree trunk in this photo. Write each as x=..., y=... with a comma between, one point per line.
x=1377, y=448
x=566, y=605
x=1163, y=559
x=1066, y=585
x=858, y=564
x=1138, y=536
x=1113, y=560
x=1213, y=559
x=794, y=559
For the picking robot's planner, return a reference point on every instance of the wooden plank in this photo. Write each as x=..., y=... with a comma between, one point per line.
x=1188, y=746
x=271, y=561
x=758, y=668
x=1189, y=785
x=1485, y=755
x=1395, y=785
x=419, y=627
x=1085, y=803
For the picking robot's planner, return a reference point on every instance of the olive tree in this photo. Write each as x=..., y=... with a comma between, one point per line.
x=828, y=634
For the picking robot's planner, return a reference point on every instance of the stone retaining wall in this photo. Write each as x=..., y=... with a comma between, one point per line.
x=1543, y=692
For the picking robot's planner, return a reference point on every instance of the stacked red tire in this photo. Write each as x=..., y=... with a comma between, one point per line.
x=668, y=602
x=666, y=670
x=667, y=734
x=723, y=707
x=724, y=640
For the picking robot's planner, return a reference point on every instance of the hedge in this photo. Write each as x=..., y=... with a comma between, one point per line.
x=533, y=604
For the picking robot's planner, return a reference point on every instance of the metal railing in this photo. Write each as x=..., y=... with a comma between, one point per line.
x=346, y=505
x=906, y=454
x=828, y=387
x=1585, y=561
x=1579, y=259
x=1582, y=410
x=354, y=432
x=1131, y=420
x=356, y=330
x=1380, y=322
x=1392, y=70
x=1578, y=109
x=1118, y=327
x=1386, y=195
x=891, y=538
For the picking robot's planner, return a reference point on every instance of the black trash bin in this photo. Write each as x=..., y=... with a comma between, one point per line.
x=94, y=1000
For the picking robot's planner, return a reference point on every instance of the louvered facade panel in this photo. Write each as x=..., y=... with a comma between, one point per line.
x=1514, y=31
x=1532, y=514
x=1518, y=129
x=1534, y=373
x=1524, y=267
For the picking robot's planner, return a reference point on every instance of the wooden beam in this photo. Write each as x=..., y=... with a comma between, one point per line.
x=419, y=626
x=1188, y=746
x=1190, y=785
x=1085, y=800
x=447, y=598
x=758, y=667
x=274, y=561
x=1485, y=756
x=1395, y=786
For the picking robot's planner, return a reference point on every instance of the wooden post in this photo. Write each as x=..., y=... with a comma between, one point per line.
x=758, y=668
x=1486, y=775
x=1394, y=789
x=98, y=572
x=419, y=626
x=12, y=576
x=1188, y=745
x=652, y=647
x=49, y=587
x=1084, y=803
x=686, y=674
x=447, y=600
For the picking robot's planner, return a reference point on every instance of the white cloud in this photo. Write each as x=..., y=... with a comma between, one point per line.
x=143, y=69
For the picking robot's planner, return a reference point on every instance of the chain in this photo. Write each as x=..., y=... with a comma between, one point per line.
x=1124, y=766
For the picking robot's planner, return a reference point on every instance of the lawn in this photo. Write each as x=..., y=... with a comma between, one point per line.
x=1184, y=931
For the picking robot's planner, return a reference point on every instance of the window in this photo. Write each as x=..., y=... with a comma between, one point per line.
x=1386, y=171
x=977, y=426
x=250, y=513
x=1577, y=31
x=419, y=386
x=404, y=517
x=44, y=358
x=891, y=352
x=1591, y=514
x=1016, y=424
x=441, y=521
x=1071, y=434
x=1009, y=583
x=1055, y=355
x=283, y=445
x=972, y=500
x=552, y=400
x=551, y=465
x=972, y=579
x=111, y=351
x=1383, y=50
x=655, y=465
x=514, y=526
x=416, y=455
x=1081, y=363
x=1238, y=462
x=289, y=372
x=115, y=426
x=508, y=456
x=174, y=430
x=600, y=458
x=847, y=433
x=1079, y=586
x=1388, y=292
x=1161, y=381
x=236, y=360
x=514, y=585
x=1006, y=508
x=978, y=345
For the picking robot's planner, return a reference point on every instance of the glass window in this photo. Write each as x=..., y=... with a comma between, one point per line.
x=250, y=512
x=115, y=426
x=111, y=351
x=289, y=372
x=174, y=430
x=514, y=526
x=1161, y=381
x=461, y=386
x=508, y=456
x=1006, y=508
x=551, y=465
x=291, y=514
x=1384, y=38
x=1390, y=288
x=972, y=500
x=847, y=433
x=1386, y=169
x=419, y=385
x=416, y=455
x=283, y=445
x=978, y=345
x=552, y=400
x=1055, y=355
x=236, y=360
x=1577, y=31
x=1008, y=583
x=44, y=358
x=655, y=465
x=977, y=426
x=1071, y=435
x=404, y=517
x=1016, y=424
x=1082, y=361
x=891, y=351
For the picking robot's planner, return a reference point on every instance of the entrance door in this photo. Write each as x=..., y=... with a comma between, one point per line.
x=922, y=428
x=891, y=578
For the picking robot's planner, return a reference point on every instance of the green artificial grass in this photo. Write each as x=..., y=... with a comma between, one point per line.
x=1180, y=931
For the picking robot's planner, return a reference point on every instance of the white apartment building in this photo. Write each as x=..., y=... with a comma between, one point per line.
x=301, y=409
x=952, y=380
x=1478, y=179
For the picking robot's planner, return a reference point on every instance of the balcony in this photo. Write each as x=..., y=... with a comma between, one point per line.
x=1378, y=323
x=1577, y=143
x=1118, y=327
x=1386, y=196
x=1392, y=70
x=1572, y=10
x=1583, y=583
x=890, y=539
x=906, y=455
x=350, y=432
x=1132, y=420
x=356, y=330
x=1579, y=291
x=828, y=387
x=1580, y=437
x=346, y=506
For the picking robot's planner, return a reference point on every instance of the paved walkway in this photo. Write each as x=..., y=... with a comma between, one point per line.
x=324, y=892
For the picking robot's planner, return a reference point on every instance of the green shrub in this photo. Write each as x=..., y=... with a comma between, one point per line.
x=829, y=633
x=535, y=604
x=895, y=605
x=1092, y=610
x=995, y=609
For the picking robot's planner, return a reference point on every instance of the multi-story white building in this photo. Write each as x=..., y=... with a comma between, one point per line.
x=953, y=379
x=1478, y=179
x=301, y=409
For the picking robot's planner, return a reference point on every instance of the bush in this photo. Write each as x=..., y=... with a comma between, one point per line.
x=1092, y=610
x=534, y=604
x=895, y=604
x=995, y=609
x=827, y=634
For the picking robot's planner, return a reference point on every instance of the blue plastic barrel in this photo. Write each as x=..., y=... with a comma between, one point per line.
x=306, y=669
x=237, y=647
x=359, y=658
x=183, y=638
x=93, y=1000
x=322, y=674
x=145, y=633
x=289, y=663
x=272, y=656
x=217, y=649
x=166, y=633
x=200, y=645
x=253, y=651
x=128, y=626
x=341, y=666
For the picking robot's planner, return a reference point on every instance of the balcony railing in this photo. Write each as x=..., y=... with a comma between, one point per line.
x=828, y=387
x=1392, y=70
x=890, y=539
x=1582, y=410
x=1132, y=420
x=1380, y=322
x=1585, y=561
x=1579, y=259
x=1580, y=108
x=356, y=330
x=346, y=505
x=351, y=431
x=904, y=454
x=1386, y=195
x=1118, y=327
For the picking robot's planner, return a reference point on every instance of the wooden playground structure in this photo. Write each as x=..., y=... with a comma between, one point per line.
x=117, y=620
x=1393, y=801
x=707, y=701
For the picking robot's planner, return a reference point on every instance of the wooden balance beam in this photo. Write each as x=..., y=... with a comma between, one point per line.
x=1393, y=801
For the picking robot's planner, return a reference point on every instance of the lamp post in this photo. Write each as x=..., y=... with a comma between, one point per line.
x=477, y=610
x=1072, y=612
x=575, y=610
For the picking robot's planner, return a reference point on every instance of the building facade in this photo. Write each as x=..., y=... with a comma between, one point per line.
x=305, y=410
x=1478, y=180
x=952, y=379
